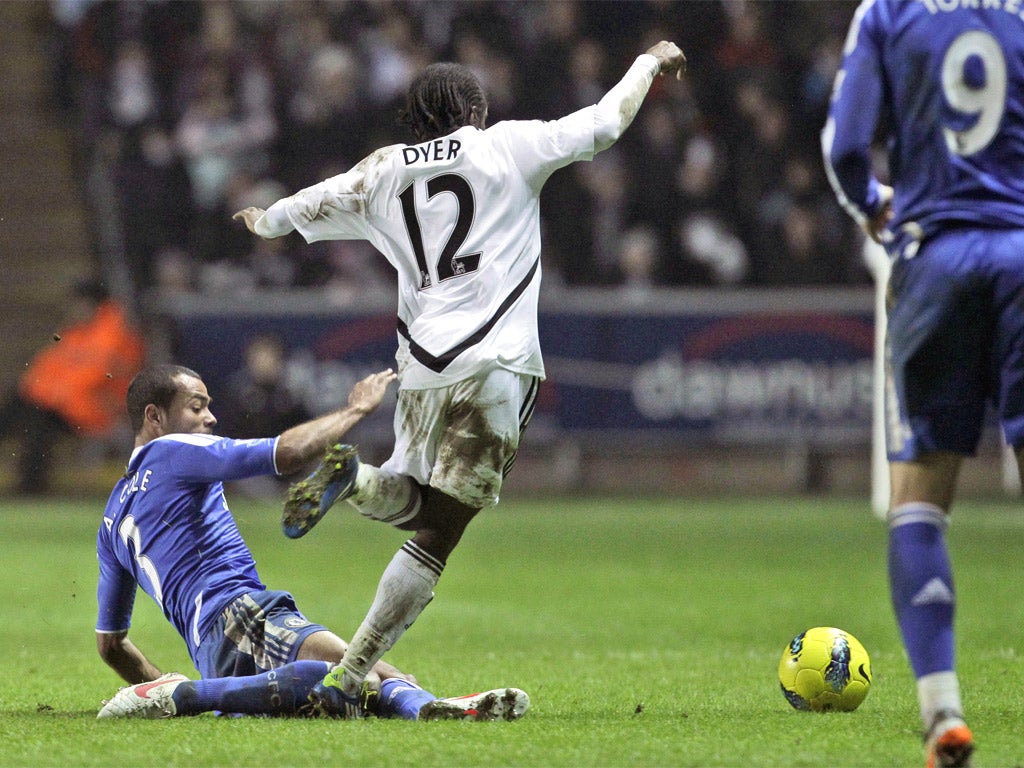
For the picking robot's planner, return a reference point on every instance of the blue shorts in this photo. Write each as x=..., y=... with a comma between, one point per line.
x=255, y=633
x=955, y=342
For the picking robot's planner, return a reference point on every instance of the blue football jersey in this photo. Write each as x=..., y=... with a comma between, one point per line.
x=946, y=80
x=167, y=528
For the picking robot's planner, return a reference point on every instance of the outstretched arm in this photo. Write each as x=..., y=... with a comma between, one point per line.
x=299, y=445
x=616, y=110
x=332, y=209
x=124, y=657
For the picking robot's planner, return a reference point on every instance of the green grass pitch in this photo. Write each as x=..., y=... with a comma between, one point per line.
x=646, y=630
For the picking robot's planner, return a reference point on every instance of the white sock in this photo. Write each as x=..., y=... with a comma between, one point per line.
x=404, y=591
x=386, y=496
x=937, y=692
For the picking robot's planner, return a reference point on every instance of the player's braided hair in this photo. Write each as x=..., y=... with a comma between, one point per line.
x=441, y=99
x=156, y=384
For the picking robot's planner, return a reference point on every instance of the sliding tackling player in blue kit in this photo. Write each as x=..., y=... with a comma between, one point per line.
x=168, y=530
x=946, y=77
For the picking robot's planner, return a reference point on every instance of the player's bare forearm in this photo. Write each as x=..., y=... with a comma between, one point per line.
x=124, y=657
x=301, y=444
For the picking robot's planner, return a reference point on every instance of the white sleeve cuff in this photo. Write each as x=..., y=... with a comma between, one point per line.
x=276, y=470
x=274, y=222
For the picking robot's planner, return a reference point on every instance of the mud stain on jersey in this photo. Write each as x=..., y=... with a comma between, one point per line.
x=350, y=203
x=310, y=205
x=630, y=106
x=372, y=162
x=315, y=203
x=369, y=168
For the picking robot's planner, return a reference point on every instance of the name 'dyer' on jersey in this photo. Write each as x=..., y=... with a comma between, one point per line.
x=439, y=149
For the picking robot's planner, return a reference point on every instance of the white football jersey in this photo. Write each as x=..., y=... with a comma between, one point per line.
x=459, y=219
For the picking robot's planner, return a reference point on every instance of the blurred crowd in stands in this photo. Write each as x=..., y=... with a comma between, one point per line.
x=200, y=108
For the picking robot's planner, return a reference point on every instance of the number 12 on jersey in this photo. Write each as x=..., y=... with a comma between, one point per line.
x=450, y=263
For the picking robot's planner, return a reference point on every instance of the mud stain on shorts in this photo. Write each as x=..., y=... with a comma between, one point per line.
x=472, y=456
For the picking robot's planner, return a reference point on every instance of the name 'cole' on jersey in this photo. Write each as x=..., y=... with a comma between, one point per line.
x=954, y=73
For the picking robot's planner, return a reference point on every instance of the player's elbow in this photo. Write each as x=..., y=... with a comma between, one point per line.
x=605, y=139
x=847, y=160
x=851, y=167
x=290, y=457
x=110, y=646
x=610, y=122
x=609, y=125
x=841, y=154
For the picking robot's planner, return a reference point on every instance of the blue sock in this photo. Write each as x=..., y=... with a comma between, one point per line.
x=278, y=692
x=400, y=698
x=921, y=585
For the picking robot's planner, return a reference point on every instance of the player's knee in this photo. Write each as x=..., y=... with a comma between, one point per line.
x=440, y=512
x=441, y=522
x=443, y=511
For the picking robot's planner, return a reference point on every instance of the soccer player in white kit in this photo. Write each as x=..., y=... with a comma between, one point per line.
x=458, y=217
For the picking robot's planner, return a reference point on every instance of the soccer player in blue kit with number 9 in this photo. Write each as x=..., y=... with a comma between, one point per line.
x=947, y=79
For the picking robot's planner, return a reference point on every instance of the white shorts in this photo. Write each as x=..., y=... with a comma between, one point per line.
x=462, y=439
